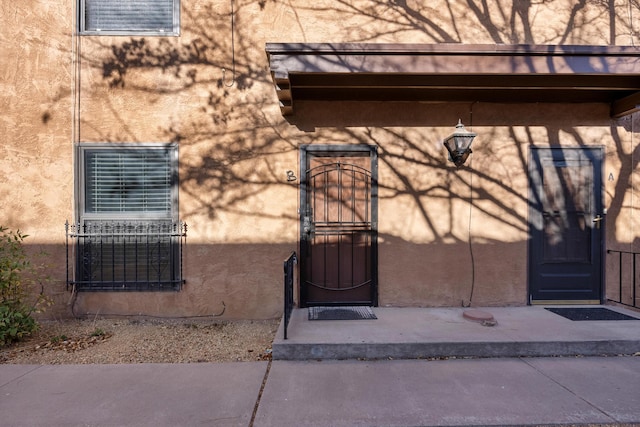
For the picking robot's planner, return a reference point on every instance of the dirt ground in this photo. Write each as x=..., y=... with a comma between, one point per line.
x=134, y=340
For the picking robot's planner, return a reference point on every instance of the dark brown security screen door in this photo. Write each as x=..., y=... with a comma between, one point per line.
x=566, y=225
x=338, y=210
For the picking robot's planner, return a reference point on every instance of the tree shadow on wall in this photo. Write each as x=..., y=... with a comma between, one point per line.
x=229, y=145
x=502, y=22
x=235, y=142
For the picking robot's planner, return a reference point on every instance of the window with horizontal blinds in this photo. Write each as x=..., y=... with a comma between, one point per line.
x=129, y=16
x=128, y=180
x=127, y=234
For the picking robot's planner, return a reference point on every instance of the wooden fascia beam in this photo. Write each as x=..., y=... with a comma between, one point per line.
x=625, y=106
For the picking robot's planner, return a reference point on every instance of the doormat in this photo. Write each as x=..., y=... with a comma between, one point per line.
x=341, y=313
x=589, y=313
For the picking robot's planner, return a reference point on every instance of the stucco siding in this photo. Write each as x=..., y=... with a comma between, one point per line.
x=447, y=236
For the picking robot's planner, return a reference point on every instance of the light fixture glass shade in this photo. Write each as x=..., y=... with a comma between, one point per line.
x=458, y=144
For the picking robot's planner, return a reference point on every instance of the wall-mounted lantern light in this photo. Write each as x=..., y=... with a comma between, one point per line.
x=459, y=144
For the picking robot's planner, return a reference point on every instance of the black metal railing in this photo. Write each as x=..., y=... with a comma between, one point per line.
x=125, y=255
x=627, y=283
x=288, y=289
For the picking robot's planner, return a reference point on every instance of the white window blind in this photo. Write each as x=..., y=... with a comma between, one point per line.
x=128, y=181
x=129, y=16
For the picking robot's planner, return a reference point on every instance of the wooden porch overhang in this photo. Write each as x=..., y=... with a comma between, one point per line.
x=456, y=73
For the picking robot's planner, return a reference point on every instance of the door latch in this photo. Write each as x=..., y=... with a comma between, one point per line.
x=597, y=220
x=306, y=224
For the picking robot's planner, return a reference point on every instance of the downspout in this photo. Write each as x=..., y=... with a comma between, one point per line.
x=75, y=138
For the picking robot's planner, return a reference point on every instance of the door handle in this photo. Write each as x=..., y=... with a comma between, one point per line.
x=306, y=225
x=597, y=220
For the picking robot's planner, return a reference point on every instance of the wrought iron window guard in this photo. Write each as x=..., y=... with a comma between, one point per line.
x=125, y=255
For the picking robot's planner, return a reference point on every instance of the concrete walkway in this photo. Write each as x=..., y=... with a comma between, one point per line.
x=323, y=391
x=472, y=392
x=130, y=395
x=475, y=392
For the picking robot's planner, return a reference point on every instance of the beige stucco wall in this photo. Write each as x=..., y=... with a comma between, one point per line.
x=236, y=147
x=36, y=176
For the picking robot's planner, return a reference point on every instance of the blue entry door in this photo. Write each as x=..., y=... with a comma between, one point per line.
x=566, y=224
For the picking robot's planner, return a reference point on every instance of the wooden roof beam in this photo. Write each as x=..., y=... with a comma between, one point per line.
x=614, y=70
x=625, y=106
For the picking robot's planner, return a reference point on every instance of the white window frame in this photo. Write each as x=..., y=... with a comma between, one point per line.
x=80, y=180
x=140, y=232
x=83, y=30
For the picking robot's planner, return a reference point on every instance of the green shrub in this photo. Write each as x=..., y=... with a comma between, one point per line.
x=97, y=332
x=59, y=338
x=15, y=324
x=19, y=280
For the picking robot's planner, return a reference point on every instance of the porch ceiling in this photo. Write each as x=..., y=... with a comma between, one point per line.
x=456, y=73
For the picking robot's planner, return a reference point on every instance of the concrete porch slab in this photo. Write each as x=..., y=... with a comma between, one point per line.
x=412, y=333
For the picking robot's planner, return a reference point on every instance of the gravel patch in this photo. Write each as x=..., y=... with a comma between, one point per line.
x=113, y=341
